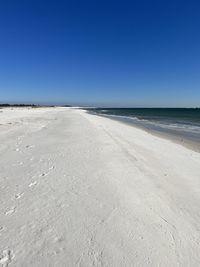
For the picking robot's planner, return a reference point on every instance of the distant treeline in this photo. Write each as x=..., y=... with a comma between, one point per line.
x=22, y=105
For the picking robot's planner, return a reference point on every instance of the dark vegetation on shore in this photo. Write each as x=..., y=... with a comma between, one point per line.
x=24, y=105
x=29, y=105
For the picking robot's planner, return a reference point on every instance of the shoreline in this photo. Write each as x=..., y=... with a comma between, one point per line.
x=176, y=138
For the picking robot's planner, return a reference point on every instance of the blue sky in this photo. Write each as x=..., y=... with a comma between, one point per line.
x=107, y=53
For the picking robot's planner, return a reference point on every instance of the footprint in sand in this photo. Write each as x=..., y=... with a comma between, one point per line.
x=46, y=173
x=6, y=257
x=10, y=211
x=2, y=229
x=33, y=183
x=43, y=174
x=29, y=146
x=19, y=195
x=51, y=168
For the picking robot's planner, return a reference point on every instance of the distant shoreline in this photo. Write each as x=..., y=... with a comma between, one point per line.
x=186, y=142
x=181, y=138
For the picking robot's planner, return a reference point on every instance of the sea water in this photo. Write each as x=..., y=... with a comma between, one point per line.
x=182, y=122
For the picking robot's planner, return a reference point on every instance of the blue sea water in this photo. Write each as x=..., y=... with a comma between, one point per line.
x=183, y=122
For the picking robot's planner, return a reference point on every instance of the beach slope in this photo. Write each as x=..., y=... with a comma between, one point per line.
x=84, y=190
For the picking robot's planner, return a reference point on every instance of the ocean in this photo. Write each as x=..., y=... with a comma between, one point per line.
x=179, y=122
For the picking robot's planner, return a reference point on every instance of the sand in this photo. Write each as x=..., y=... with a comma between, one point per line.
x=83, y=190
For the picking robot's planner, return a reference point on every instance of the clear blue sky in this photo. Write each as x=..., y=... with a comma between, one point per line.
x=118, y=53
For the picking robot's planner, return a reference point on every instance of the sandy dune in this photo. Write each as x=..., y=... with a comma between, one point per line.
x=82, y=190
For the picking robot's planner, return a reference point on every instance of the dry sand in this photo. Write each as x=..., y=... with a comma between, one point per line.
x=82, y=190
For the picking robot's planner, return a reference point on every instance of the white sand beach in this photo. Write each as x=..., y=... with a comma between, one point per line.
x=83, y=190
